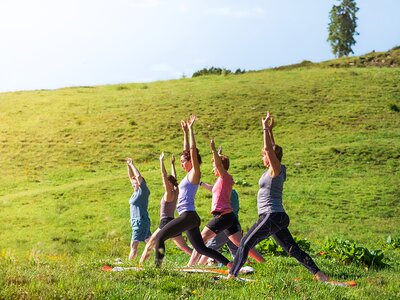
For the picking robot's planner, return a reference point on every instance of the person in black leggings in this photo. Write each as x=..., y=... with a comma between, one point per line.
x=167, y=209
x=188, y=220
x=273, y=219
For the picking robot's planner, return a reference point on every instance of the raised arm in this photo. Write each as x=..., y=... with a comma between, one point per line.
x=275, y=164
x=173, y=170
x=130, y=172
x=133, y=171
x=185, y=136
x=194, y=175
x=217, y=159
x=164, y=176
x=271, y=126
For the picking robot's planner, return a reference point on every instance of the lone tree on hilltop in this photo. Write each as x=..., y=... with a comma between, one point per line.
x=342, y=27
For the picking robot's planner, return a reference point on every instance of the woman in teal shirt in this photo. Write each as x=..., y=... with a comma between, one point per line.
x=139, y=202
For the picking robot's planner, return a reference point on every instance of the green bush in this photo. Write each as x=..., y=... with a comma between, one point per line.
x=239, y=71
x=393, y=243
x=348, y=252
x=211, y=71
x=217, y=71
x=394, y=107
x=270, y=247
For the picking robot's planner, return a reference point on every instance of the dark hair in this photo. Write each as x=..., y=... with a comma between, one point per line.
x=172, y=180
x=278, y=152
x=186, y=155
x=225, y=161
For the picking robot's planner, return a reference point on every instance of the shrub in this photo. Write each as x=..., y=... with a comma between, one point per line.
x=211, y=71
x=216, y=71
x=238, y=71
x=393, y=243
x=270, y=247
x=347, y=252
x=394, y=107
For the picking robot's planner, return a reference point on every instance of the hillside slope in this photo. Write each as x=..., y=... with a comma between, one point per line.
x=338, y=127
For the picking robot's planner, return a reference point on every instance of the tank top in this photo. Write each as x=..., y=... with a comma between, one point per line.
x=168, y=208
x=221, y=194
x=187, y=192
x=139, y=202
x=235, y=202
x=269, y=198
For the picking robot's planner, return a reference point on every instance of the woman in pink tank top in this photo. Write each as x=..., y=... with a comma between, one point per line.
x=224, y=219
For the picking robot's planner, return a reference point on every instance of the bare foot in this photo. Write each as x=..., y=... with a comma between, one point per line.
x=132, y=255
x=320, y=276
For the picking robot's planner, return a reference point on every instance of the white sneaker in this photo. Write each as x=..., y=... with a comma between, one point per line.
x=211, y=262
x=246, y=270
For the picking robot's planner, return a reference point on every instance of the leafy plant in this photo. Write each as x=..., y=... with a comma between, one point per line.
x=347, y=252
x=393, y=243
x=394, y=107
x=270, y=247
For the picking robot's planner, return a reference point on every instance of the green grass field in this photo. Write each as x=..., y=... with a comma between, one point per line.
x=64, y=191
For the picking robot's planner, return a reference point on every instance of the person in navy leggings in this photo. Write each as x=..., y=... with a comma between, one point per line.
x=273, y=219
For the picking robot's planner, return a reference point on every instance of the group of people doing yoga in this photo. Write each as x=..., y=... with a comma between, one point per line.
x=224, y=226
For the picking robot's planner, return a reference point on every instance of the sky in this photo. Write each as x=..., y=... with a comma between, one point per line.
x=49, y=44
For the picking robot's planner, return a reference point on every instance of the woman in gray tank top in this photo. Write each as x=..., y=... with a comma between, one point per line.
x=273, y=219
x=167, y=209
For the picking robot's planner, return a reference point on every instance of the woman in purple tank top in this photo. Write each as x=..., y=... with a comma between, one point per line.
x=167, y=209
x=272, y=217
x=188, y=220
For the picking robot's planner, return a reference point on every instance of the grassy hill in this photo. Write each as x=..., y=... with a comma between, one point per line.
x=64, y=191
x=387, y=59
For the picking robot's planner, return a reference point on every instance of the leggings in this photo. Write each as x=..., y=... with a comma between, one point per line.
x=274, y=224
x=188, y=221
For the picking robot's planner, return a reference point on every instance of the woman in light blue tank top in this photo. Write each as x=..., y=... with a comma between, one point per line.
x=188, y=220
x=272, y=217
x=138, y=203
